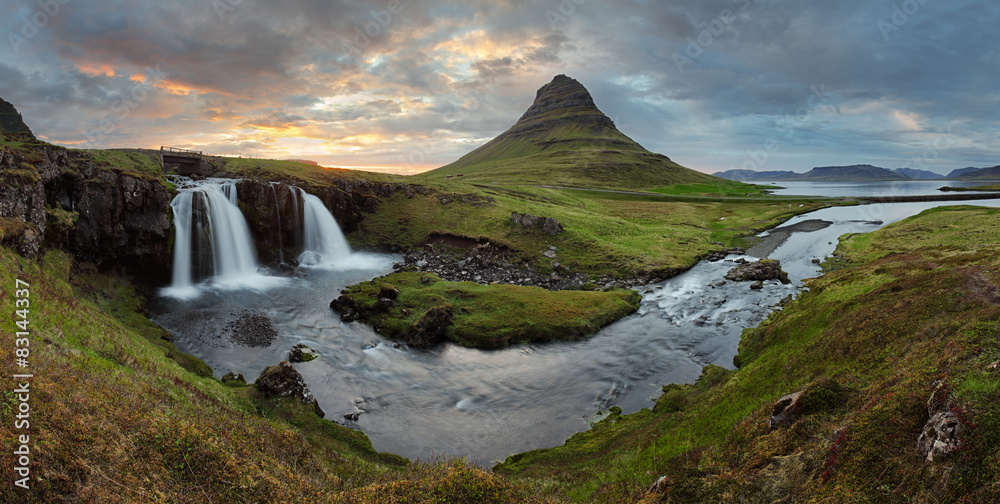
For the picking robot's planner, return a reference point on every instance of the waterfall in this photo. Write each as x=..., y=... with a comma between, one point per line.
x=324, y=243
x=232, y=249
x=298, y=218
x=277, y=213
x=181, y=207
x=219, y=219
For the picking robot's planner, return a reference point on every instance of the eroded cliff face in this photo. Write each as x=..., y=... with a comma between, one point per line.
x=53, y=197
x=266, y=204
x=116, y=218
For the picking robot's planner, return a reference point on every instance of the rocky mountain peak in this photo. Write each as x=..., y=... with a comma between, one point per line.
x=562, y=93
x=10, y=119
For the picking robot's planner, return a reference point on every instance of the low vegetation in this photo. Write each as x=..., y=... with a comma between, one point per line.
x=118, y=415
x=605, y=233
x=488, y=316
x=915, y=309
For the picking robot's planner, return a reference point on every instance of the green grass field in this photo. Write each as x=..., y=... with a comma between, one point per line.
x=492, y=316
x=867, y=343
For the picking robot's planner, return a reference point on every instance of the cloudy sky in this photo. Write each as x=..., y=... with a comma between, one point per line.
x=409, y=85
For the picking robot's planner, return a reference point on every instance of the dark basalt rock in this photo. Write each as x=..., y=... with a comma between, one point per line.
x=282, y=380
x=388, y=292
x=547, y=224
x=786, y=410
x=302, y=353
x=233, y=376
x=100, y=215
x=765, y=269
x=431, y=329
x=722, y=254
x=347, y=307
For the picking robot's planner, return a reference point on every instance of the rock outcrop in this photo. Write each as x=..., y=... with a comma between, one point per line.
x=282, y=380
x=765, y=269
x=11, y=120
x=547, y=224
x=268, y=204
x=302, y=353
x=98, y=213
x=942, y=433
x=786, y=410
x=431, y=329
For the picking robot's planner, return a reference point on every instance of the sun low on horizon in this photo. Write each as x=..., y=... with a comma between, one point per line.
x=403, y=86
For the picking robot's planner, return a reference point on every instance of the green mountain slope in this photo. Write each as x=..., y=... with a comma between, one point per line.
x=564, y=139
x=10, y=119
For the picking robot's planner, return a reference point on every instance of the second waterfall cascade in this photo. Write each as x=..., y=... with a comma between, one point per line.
x=213, y=245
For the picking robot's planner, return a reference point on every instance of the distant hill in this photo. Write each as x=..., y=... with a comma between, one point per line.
x=918, y=174
x=304, y=161
x=829, y=173
x=961, y=171
x=564, y=139
x=10, y=119
x=756, y=175
x=992, y=173
x=852, y=172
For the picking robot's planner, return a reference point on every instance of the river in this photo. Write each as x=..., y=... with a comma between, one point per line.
x=486, y=405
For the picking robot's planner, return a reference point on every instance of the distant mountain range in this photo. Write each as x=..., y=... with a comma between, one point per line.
x=859, y=173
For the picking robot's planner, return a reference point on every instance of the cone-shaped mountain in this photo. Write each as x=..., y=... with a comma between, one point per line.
x=564, y=139
x=10, y=119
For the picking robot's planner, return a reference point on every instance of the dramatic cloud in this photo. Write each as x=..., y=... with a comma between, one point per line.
x=408, y=85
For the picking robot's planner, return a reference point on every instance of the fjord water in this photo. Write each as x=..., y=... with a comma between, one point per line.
x=871, y=188
x=489, y=404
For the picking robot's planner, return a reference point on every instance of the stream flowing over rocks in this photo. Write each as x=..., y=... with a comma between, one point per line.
x=486, y=405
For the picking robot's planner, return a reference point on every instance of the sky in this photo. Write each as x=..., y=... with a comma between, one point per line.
x=405, y=86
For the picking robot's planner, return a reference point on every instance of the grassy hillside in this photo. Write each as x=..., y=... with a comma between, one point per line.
x=606, y=233
x=490, y=316
x=869, y=344
x=565, y=140
x=118, y=415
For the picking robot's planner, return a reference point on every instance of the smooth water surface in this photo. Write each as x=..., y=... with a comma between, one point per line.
x=887, y=188
x=489, y=404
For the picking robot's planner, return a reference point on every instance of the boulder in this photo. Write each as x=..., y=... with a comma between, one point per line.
x=547, y=224
x=282, y=380
x=786, y=411
x=383, y=305
x=302, y=353
x=347, y=307
x=765, y=269
x=942, y=432
x=387, y=291
x=758, y=285
x=431, y=329
x=233, y=376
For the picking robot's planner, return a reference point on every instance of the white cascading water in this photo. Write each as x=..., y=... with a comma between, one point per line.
x=324, y=242
x=181, y=207
x=233, y=260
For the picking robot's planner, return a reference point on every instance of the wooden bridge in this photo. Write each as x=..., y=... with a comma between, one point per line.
x=187, y=162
